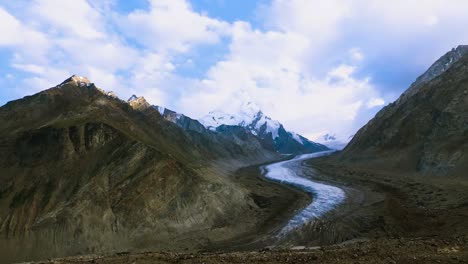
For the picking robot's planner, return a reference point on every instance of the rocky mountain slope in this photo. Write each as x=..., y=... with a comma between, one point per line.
x=181, y=120
x=270, y=131
x=426, y=129
x=82, y=171
x=223, y=135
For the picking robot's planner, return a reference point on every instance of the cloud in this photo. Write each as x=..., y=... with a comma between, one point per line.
x=69, y=17
x=375, y=102
x=356, y=54
x=268, y=68
x=317, y=66
x=172, y=25
x=23, y=41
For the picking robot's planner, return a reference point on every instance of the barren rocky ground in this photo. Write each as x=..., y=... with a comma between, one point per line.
x=385, y=219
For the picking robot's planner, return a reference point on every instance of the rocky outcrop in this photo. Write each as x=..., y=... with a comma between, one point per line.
x=138, y=103
x=181, y=120
x=426, y=129
x=442, y=65
x=287, y=142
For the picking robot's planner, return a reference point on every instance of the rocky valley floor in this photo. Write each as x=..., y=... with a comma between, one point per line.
x=404, y=250
x=385, y=219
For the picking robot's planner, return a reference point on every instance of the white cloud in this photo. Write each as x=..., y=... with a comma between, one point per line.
x=31, y=68
x=356, y=54
x=267, y=67
x=305, y=65
x=25, y=42
x=375, y=102
x=311, y=18
x=70, y=17
x=9, y=34
x=172, y=25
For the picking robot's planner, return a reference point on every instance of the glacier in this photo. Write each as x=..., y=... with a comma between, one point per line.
x=324, y=197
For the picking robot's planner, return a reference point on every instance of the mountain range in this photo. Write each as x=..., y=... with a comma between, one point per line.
x=83, y=171
x=250, y=119
x=271, y=131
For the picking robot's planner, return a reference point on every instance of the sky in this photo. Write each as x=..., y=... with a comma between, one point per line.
x=316, y=66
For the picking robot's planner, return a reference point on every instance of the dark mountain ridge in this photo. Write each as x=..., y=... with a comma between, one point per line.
x=235, y=133
x=82, y=171
x=426, y=129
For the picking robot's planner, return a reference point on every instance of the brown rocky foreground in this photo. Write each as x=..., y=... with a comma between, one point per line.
x=386, y=219
x=414, y=250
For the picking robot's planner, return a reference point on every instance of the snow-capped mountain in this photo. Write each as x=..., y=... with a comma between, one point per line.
x=233, y=138
x=332, y=141
x=252, y=118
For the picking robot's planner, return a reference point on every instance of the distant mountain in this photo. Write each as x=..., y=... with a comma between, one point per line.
x=426, y=129
x=272, y=131
x=223, y=136
x=82, y=171
x=332, y=141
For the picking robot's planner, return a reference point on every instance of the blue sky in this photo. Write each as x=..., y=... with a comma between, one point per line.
x=317, y=66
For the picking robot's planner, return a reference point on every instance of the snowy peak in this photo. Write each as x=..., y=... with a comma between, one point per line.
x=217, y=118
x=333, y=141
x=250, y=117
x=264, y=125
x=272, y=131
x=77, y=80
x=80, y=79
x=249, y=114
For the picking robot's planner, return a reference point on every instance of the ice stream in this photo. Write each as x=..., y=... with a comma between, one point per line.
x=324, y=197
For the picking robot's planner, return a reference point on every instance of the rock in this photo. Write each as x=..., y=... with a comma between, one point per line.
x=298, y=248
x=424, y=131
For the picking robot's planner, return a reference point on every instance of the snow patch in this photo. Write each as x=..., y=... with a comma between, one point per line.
x=296, y=137
x=161, y=109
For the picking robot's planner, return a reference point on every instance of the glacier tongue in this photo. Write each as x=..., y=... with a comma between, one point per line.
x=325, y=197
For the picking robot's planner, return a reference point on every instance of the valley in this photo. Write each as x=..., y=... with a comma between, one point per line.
x=324, y=197
x=86, y=177
x=381, y=220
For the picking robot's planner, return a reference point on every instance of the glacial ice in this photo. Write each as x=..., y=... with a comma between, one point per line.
x=324, y=197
